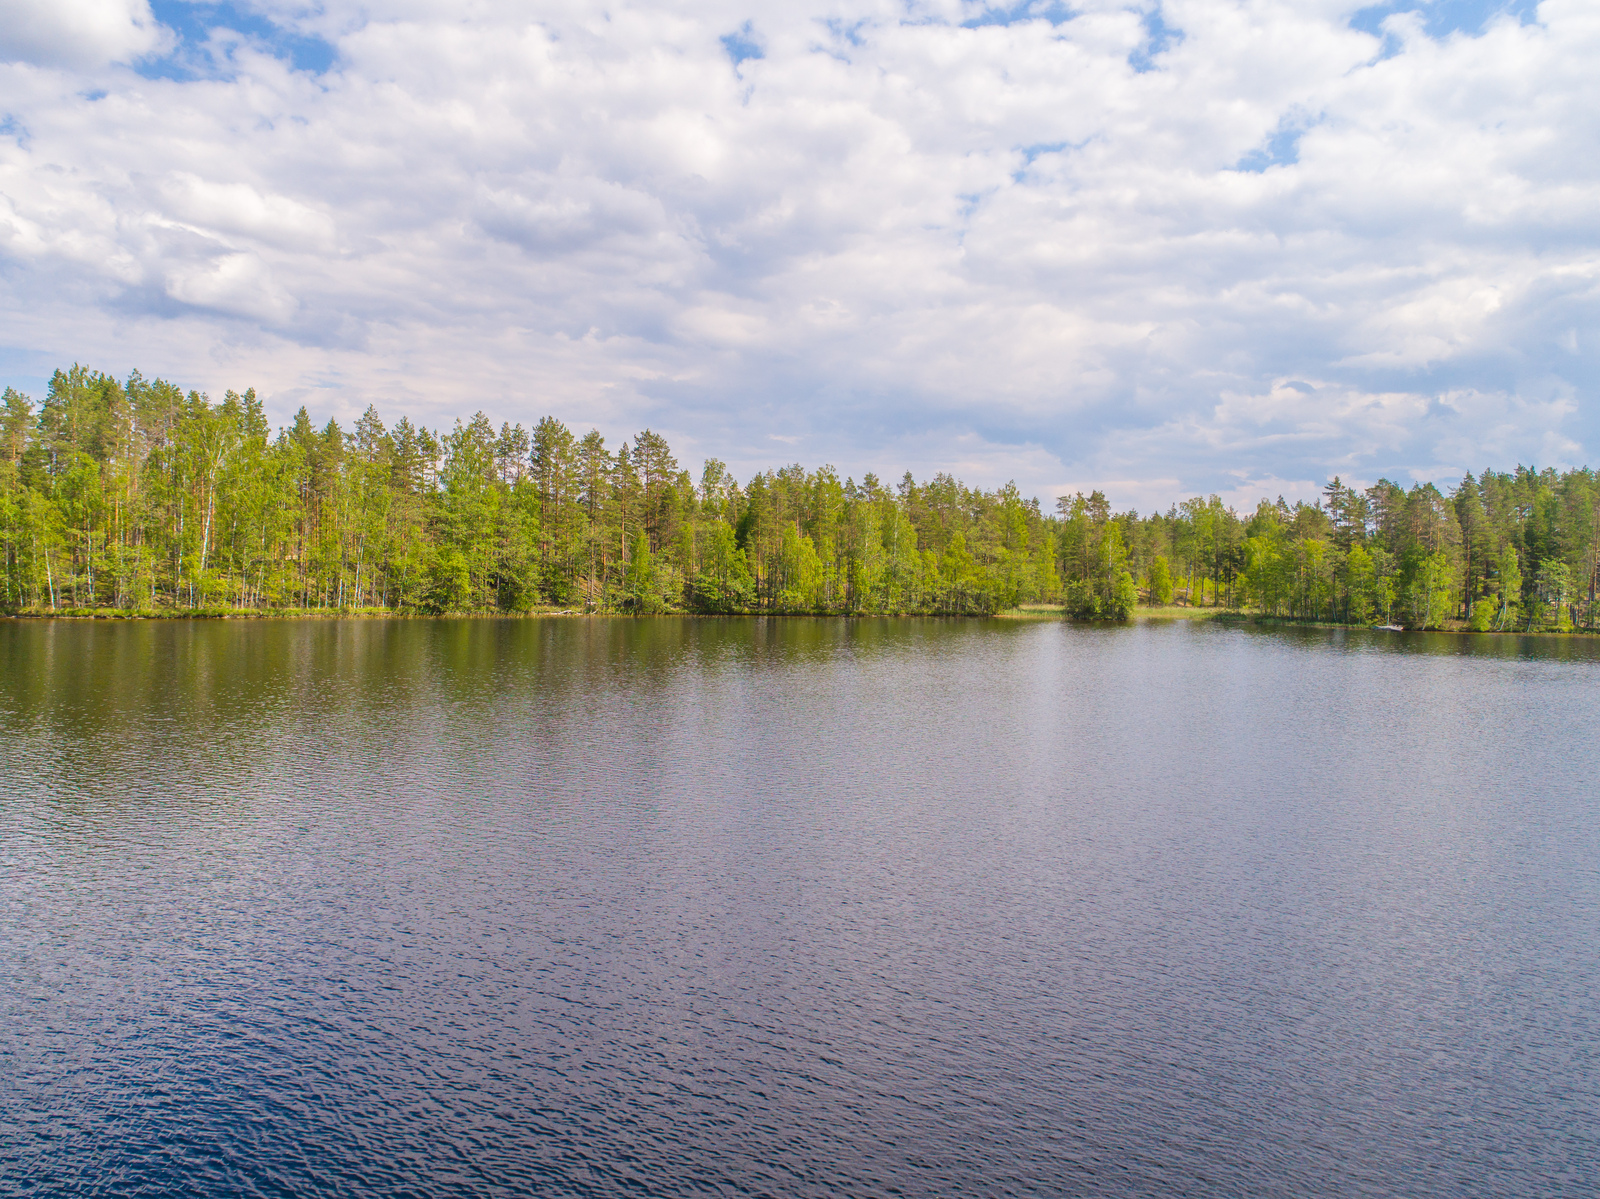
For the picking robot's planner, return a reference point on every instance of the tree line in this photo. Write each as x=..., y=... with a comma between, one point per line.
x=1515, y=551
x=134, y=495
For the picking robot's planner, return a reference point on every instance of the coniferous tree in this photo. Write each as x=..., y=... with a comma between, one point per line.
x=137, y=495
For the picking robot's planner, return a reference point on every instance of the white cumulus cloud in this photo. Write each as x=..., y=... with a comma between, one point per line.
x=1263, y=246
x=77, y=33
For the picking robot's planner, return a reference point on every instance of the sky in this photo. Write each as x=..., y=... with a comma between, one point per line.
x=1173, y=249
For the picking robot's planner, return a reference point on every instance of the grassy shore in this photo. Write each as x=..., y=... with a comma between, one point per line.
x=260, y=614
x=1034, y=612
x=1024, y=612
x=1169, y=612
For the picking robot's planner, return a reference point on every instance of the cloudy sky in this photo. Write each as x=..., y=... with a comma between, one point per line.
x=1164, y=249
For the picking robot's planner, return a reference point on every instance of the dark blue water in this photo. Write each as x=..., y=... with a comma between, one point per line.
x=743, y=907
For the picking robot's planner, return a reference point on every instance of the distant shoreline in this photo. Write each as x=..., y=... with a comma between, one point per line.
x=1032, y=613
x=135, y=499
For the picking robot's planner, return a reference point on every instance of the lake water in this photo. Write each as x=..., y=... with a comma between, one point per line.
x=795, y=907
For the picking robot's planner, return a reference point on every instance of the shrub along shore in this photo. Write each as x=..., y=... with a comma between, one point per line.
x=133, y=497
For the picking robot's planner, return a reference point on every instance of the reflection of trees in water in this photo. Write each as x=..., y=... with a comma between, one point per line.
x=208, y=716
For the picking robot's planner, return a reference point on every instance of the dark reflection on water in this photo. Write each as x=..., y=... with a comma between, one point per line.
x=795, y=908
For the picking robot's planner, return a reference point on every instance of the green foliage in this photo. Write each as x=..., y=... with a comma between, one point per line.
x=449, y=581
x=723, y=584
x=1553, y=587
x=1104, y=590
x=134, y=495
x=1362, y=597
x=1425, y=588
x=1158, y=581
x=1124, y=595
x=137, y=495
x=1508, y=585
x=642, y=581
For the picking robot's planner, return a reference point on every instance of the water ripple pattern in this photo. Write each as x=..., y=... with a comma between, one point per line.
x=795, y=908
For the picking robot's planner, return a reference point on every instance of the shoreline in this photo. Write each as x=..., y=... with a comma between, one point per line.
x=1027, y=613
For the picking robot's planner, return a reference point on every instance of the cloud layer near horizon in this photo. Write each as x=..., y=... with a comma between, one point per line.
x=1210, y=246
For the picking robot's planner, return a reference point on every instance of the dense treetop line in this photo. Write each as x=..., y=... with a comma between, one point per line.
x=134, y=495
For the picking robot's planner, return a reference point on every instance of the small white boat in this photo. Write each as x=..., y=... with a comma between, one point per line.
x=1390, y=628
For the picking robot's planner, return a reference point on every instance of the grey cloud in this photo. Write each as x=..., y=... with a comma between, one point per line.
x=591, y=226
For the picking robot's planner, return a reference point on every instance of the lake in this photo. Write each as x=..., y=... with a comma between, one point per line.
x=795, y=907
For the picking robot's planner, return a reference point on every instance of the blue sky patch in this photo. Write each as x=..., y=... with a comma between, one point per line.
x=1031, y=153
x=195, y=22
x=846, y=32
x=1029, y=10
x=1444, y=17
x=1282, y=149
x=1159, y=38
x=741, y=44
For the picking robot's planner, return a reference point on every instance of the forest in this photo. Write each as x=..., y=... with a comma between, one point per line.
x=135, y=496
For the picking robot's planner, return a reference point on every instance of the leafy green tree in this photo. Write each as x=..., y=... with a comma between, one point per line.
x=1361, y=586
x=1109, y=592
x=1509, y=586
x=1158, y=581
x=449, y=581
x=724, y=583
x=139, y=495
x=642, y=585
x=1553, y=588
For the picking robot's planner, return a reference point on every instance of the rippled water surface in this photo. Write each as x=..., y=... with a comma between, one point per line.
x=744, y=907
